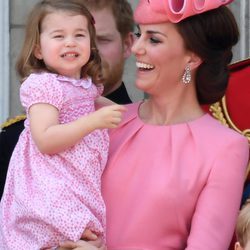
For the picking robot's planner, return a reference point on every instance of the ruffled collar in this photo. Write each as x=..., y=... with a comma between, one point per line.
x=83, y=82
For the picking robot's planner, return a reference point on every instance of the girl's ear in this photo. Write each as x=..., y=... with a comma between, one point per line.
x=37, y=52
x=237, y=246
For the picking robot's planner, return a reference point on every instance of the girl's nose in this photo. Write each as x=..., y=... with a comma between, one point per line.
x=70, y=42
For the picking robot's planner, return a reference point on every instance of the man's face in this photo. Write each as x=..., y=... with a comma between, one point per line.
x=112, y=49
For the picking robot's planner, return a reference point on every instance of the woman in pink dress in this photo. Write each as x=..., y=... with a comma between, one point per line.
x=55, y=172
x=175, y=175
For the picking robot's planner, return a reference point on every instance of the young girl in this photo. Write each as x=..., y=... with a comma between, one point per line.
x=52, y=191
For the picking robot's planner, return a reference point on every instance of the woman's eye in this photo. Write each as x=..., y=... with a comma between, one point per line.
x=154, y=40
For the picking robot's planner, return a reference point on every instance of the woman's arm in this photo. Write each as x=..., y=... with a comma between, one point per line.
x=217, y=208
x=52, y=137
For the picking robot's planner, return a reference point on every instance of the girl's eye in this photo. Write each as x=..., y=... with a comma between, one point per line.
x=79, y=35
x=58, y=36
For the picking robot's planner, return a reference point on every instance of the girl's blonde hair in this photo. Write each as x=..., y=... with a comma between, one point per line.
x=27, y=63
x=243, y=225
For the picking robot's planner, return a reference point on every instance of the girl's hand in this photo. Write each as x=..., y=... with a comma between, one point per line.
x=108, y=116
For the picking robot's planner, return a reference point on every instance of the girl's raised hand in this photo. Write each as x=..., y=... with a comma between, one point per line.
x=108, y=116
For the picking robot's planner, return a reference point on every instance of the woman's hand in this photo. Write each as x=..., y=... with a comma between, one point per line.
x=82, y=245
x=94, y=243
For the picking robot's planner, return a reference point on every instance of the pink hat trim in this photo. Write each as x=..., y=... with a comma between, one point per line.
x=158, y=11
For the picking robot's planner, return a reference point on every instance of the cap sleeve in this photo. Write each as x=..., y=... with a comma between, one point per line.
x=41, y=88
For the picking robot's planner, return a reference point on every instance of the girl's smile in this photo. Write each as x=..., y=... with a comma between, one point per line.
x=64, y=43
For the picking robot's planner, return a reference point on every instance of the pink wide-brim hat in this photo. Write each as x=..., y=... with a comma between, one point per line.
x=159, y=11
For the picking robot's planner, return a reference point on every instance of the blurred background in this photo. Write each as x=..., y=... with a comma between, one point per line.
x=13, y=15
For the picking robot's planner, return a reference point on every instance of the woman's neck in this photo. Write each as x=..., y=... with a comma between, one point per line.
x=172, y=110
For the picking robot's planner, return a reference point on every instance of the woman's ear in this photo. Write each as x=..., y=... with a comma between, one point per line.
x=237, y=246
x=194, y=61
x=37, y=52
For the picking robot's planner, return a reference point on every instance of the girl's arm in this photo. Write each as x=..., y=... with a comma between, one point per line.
x=52, y=137
x=102, y=102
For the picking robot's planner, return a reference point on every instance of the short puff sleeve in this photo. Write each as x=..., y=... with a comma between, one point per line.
x=41, y=88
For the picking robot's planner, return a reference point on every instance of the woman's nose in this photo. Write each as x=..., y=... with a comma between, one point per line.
x=138, y=47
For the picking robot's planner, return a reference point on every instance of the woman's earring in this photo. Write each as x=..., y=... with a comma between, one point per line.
x=186, y=78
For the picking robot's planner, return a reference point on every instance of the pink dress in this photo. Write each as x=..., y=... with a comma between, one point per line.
x=173, y=187
x=49, y=198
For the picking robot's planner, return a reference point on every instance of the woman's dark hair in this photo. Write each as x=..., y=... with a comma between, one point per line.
x=211, y=35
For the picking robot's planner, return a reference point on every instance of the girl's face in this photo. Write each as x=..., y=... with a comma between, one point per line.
x=64, y=43
x=160, y=58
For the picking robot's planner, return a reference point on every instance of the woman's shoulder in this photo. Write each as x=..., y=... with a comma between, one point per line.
x=219, y=135
x=131, y=112
x=132, y=108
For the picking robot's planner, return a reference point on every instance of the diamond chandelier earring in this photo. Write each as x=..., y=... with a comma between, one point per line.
x=186, y=78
